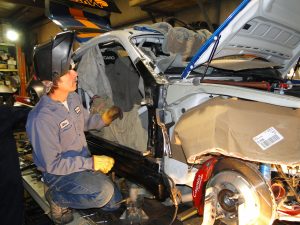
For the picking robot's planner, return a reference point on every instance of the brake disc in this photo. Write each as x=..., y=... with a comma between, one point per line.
x=243, y=194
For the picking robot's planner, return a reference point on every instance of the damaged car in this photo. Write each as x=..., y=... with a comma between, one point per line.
x=210, y=112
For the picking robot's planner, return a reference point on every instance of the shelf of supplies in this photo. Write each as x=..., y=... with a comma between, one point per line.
x=8, y=44
x=8, y=70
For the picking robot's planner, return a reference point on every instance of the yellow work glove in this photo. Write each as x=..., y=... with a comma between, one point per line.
x=103, y=163
x=111, y=114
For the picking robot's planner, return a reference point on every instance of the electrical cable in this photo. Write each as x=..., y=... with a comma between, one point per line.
x=213, y=51
x=296, y=68
x=173, y=197
x=174, y=215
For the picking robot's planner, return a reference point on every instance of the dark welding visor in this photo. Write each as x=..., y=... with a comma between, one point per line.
x=53, y=58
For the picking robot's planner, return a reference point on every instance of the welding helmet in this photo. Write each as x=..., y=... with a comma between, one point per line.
x=53, y=58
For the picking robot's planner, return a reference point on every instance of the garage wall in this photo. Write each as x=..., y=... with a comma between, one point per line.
x=133, y=15
x=44, y=31
x=47, y=31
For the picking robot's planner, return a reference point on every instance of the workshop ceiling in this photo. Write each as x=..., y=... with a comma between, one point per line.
x=163, y=6
x=28, y=12
x=22, y=12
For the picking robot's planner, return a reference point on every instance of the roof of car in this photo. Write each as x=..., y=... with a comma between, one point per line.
x=121, y=35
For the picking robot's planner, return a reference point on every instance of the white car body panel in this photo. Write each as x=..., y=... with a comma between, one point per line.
x=272, y=33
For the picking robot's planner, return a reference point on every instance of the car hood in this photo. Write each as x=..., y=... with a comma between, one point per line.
x=268, y=29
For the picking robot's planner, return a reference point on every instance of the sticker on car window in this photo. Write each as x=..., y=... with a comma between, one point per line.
x=268, y=138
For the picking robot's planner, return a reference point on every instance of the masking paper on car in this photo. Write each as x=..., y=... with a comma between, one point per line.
x=180, y=40
x=241, y=129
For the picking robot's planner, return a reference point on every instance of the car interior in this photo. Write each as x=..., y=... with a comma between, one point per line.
x=127, y=94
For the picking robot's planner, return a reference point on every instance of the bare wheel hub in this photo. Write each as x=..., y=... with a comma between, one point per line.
x=227, y=201
x=242, y=194
x=233, y=190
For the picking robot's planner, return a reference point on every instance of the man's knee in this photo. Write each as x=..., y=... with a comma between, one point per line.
x=114, y=202
x=106, y=191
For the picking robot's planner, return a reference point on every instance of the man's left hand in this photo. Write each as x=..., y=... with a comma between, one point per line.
x=111, y=114
x=102, y=163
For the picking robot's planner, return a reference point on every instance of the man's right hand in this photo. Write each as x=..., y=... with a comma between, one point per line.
x=102, y=163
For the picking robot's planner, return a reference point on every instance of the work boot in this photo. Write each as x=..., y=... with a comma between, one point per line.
x=59, y=215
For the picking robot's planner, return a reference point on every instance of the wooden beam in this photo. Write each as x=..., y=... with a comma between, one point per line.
x=140, y=2
x=158, y=12
x=31, y=3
